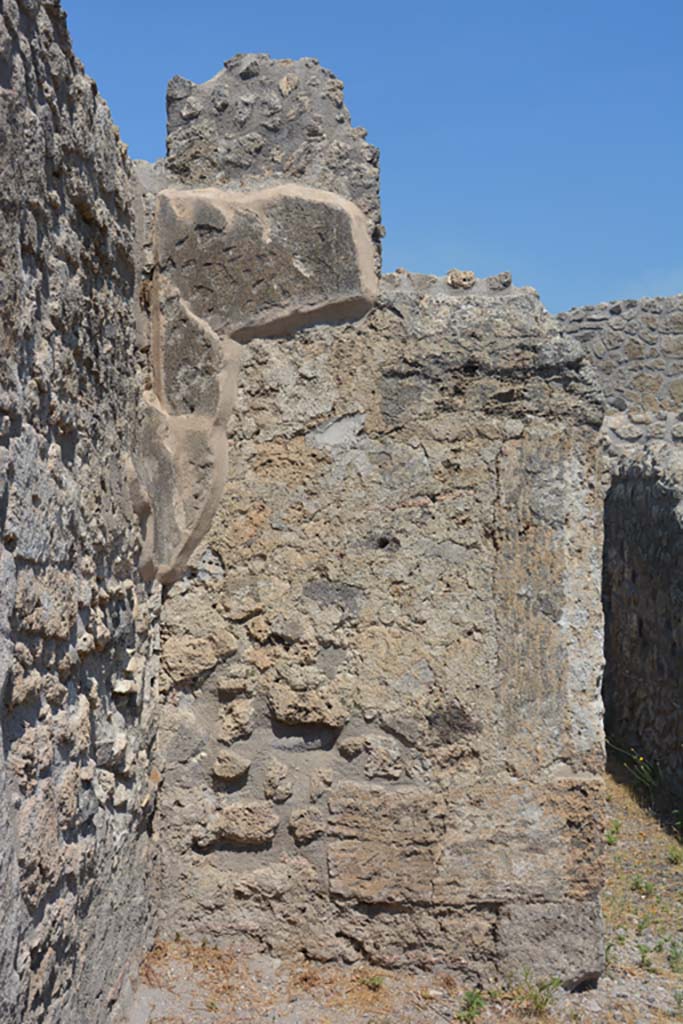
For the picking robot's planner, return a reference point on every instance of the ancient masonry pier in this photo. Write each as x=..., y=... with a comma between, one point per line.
x=309, y=574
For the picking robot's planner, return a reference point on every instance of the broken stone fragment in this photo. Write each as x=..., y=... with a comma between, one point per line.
x=351, y=747
x=287, y=84
x=229, y=766
x=310, y=707
x=319, y=783
x=232, y=681
x=262, y=263
x=277, y=785
x=460, y=278
x=307, y=824
x=499, y=281
x=245, y=824
x=123, y=687
x=237, y=721
x=383, y=758
x=196, y=637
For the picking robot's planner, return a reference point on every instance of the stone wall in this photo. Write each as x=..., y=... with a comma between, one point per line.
x=278, y=120
x=636, y=349
x=643, y=597
x=76, y=656
x=381, y=728
x=373, y=510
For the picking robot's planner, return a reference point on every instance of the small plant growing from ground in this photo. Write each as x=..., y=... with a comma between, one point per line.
x=645, y=773
x=374, y=983
x=612, y=833
x=639, y=884
x=534, y=998
x=675, y=854
x=473, y=1005
x=675, y=957
x=678, y=1006
x=645, y=958
x=677, y=824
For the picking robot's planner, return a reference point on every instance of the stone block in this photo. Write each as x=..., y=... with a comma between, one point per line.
x=562, y=940
x=383, y=845
x=257, y=264
x=240, y=824
x=229, y=766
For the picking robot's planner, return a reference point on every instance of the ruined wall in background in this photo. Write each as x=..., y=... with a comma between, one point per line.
x=636, y=349
x=380, y=733
x=76, y=657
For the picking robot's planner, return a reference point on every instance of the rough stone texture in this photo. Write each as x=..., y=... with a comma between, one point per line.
x=380, y=718
x=262, y=263
x=76, y=626
x=636, y=348
x=224, y=267
x=271, y=120
x=406, y=557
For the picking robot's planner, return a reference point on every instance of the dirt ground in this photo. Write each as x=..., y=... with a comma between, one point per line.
x=643, y=983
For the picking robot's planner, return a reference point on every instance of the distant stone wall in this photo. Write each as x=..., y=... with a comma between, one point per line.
x=636, y=349
x=381, y=733
x=76, y=657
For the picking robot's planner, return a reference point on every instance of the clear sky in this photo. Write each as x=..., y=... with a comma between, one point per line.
x=545, y=138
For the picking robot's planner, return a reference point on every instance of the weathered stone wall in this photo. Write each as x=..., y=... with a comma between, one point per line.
x=381, y=729
x=280, y=120
x=76, y=657
x=376, y=507
x=643, y=597
x=636, y=349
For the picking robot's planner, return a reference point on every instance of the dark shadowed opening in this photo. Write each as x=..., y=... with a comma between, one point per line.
x=643, y=605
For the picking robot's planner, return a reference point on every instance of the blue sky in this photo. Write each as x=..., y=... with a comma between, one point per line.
x=545, y=138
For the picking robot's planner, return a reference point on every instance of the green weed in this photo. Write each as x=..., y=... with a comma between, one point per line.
x=473, y=1005
x=675, y=957
x=533, y=998
x=639, y=884
x=374, y=982
x=675, y=854
x=612, y=833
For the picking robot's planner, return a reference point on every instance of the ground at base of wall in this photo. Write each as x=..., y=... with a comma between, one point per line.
x=643, y=907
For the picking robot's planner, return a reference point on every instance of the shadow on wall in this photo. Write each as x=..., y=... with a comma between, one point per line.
x=643, y=605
